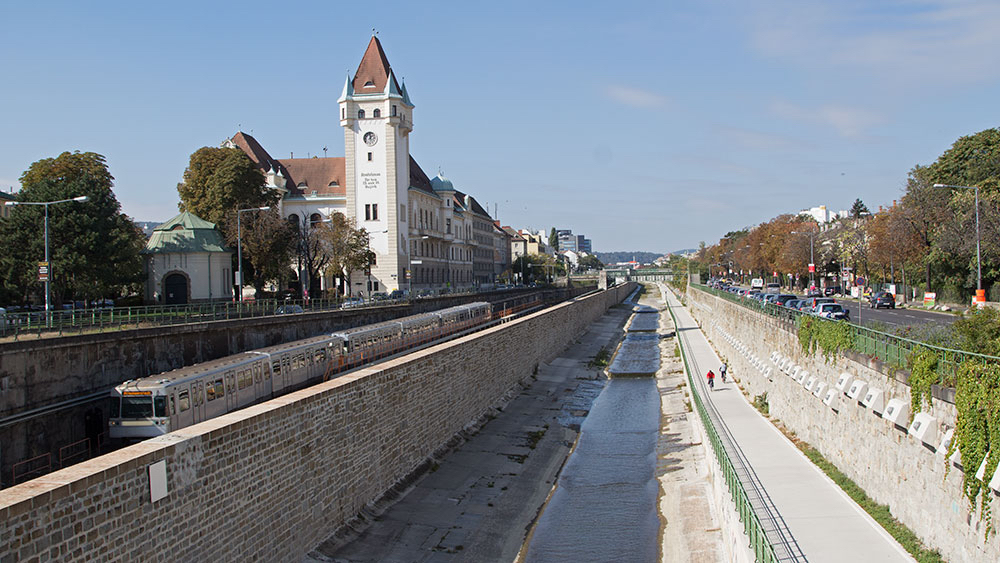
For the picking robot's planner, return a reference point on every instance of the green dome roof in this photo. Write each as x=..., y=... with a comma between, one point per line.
x=442, y=184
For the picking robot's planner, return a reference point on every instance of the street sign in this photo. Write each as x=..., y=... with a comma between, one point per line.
x=408, y=274
x=859, y=281
x=43, y=271
x=812, y=268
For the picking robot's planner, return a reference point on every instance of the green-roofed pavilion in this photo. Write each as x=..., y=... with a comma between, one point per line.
x=187, y=260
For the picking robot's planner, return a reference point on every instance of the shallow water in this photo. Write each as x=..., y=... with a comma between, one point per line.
x=604, y=505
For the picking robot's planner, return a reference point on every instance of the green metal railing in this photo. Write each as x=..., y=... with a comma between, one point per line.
x=760, y=544
x=889, y=348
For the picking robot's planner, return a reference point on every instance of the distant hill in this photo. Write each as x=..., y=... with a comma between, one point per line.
x=685, y=251
x=627, y=256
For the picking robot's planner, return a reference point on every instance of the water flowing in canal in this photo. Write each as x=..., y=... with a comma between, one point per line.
x=604, y=505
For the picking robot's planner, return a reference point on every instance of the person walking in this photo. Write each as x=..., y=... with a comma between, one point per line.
x=722, y=372
x=711, y=380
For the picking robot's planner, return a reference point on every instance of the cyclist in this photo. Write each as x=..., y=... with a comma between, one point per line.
x=711, y=380
x=722, y=372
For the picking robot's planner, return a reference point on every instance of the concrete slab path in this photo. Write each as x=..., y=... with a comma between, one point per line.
x=823, y=521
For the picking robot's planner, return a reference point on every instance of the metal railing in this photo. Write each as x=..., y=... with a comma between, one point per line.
x=753, y=528
x=889, y=348
x=76, y=321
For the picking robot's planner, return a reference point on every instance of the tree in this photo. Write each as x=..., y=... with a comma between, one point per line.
x=858, y=209
x=218, y=181
x=590, y=262
x=346, y=248
x=554, y=240
x=268, y=244
x=93, y=247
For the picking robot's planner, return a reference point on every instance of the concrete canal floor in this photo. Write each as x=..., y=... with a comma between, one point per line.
x=483, y=500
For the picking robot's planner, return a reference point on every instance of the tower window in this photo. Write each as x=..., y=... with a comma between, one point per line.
x=343, y=113
x=394, y=110
x=369, y=84
x=369, y=157
x=377, y=113
x=361, y=114
x=368, y=212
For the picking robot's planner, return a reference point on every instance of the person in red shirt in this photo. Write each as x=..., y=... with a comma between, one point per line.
x=711, y=380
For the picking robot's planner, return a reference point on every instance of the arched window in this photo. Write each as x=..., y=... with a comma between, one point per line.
x=361, y=114
x=377, y=113
x=315, y=219
x=293, y=219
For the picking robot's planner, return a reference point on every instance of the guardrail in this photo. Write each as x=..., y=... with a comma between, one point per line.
x=77, y=321
x=760, y=544
x=889, y=348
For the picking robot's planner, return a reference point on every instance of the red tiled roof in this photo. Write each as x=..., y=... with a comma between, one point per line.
x=374, y=68
x=252, y=148
x=317, y=174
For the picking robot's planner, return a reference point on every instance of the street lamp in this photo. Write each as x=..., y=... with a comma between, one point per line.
x=48, y=268
x=409, y=267
x=980, y=294
x=239, y=247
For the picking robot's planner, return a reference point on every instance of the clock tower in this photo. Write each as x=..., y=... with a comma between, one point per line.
x=377, y=117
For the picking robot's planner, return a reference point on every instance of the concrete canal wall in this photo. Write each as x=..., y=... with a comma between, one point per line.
x=271, y=481
x=894, y=468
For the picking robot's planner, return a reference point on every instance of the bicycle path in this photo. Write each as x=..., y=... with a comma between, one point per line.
x=824, y=522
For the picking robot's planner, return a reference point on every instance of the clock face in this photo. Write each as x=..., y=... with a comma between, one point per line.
x=370, y=139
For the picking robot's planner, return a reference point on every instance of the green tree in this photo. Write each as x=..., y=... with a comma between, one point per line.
x=93, y=247
x=590, y=262
x=268, y=245
x=858, y=209
x=219, y=181
x=554, y=240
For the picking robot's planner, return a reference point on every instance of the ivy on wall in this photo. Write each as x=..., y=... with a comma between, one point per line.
x=826, y=336
x=977, y=430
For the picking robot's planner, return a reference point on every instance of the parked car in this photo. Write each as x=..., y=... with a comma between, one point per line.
x=352, y=302
x=772, y=288
x=784, y=298
x=814, y=292
x=793, y=303
x=757, y=283
x=883, y=299
x=815, y=302
x=834, y=311
x=833, y=290
x=401, y=294
x=288, y=310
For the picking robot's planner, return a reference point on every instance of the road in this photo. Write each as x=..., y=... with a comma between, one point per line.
x=896, y=317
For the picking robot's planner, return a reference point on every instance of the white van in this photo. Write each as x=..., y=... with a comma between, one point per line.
x=757, y=283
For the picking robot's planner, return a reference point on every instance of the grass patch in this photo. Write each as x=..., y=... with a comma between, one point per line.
x=536, y=436
x=880, y=512
x=761, y=404
x=600, y=359
x=677, y=351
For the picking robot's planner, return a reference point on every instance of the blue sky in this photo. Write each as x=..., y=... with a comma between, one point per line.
x=643, y=125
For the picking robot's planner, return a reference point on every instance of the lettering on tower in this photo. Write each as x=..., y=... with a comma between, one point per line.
x=371, y=180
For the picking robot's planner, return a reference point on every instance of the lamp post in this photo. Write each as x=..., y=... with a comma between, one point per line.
x=980, y=294
x=409, y=267
x=239, y=246
x=48, y=266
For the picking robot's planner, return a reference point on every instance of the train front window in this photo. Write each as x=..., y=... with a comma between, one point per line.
x=160, y=405
x=115, y=409
x=137, y=406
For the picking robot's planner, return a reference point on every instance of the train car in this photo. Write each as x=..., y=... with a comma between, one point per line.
x=158, y=404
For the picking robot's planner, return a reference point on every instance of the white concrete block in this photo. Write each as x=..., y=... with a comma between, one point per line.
x=981, y=472
x=858, y=390
x=924, y=428
x=844, y=382
x=942, y=448
x=810, y=382
x=801, y=377
x=897, y=412
x=874, y=400
x=820, y=389
x=832, y=399
x=995, y=481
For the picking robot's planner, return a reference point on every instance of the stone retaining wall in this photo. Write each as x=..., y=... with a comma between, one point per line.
x=892, y=467
x=272, y=481
x=40, y=372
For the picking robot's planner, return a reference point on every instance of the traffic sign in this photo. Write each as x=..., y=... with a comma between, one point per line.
x=812, y=268
x=43, y=271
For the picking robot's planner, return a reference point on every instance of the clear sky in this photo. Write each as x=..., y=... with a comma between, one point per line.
x=643, y=125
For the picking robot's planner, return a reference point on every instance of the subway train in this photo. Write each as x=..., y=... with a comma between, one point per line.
x=158, y=404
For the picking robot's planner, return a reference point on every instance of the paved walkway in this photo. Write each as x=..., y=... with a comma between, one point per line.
x=822, y=521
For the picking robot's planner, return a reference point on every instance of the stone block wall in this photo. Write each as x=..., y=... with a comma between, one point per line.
x=272, y=481
x=892, y=467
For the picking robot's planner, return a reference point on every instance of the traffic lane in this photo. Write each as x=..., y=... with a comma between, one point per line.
x=896, y=317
